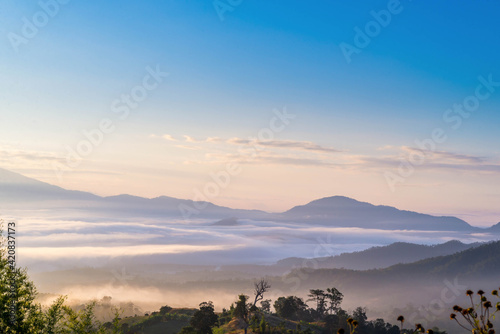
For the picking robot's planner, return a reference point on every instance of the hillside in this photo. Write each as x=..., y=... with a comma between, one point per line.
x=478, y=262
x=170, y=322
x=347, y=212
x=174, y=320
x=495, y=228
x=18, y=189
x=382, y=256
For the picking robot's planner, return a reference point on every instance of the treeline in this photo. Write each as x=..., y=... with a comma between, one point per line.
x=291, y=315
x=21, y=314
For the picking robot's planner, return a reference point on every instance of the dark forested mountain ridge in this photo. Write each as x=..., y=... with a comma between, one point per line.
x=383, y=256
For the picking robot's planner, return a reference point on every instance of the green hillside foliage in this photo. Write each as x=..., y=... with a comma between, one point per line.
x=20, y=313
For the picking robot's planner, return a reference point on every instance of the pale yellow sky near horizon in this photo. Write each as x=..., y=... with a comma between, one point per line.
x=280, y=176
x=156, y=96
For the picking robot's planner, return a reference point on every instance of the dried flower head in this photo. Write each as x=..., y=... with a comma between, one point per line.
x=341, y=331
x=469, y=293
x=480, y=292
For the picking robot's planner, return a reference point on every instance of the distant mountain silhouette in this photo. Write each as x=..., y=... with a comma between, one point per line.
x=382, y=257
x=495, y=228
x=417, y=283
x=346, y=212
x=337, y=211
x=16, y=188
x=227, y=222
x=481, y=262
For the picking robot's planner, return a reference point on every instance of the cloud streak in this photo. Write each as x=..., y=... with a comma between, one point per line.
x=53, y=253
x=8, y=155
x=432, y=160
x=299, y=145
x=278, y=144
x=307, y=153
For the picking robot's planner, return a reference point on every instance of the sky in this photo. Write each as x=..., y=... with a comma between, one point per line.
x=257, y=104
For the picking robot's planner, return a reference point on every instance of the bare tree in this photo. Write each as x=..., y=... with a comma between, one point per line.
x=261, y=287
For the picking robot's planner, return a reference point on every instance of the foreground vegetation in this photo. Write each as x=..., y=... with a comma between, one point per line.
x=21, y=314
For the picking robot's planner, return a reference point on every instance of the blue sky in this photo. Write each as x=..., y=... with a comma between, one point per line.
x=225, y=79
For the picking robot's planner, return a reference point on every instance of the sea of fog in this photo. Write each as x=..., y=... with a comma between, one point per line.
x=59, y=242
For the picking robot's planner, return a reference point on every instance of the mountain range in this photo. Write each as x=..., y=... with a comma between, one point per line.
x=442, y=280
x=382, y=256
x=373, y=258
x=18, y=191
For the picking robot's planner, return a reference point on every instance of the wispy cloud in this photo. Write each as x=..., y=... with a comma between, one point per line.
x=444, y=156
x=31, y=156
x=307, y=153
x=53, y=238
x=214, y=140
x=169, y=137
x=52, y=253
x=300, y=145
x=278, y=144
x=190, y=139
x=297, y=161
x=238, y=141
x=432, y=160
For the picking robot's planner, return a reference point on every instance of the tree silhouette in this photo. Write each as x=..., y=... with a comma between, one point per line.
x=204, y=319
x=318, y=296
x=290, y=307
x=241, y=309
x=265, y=306
x=260, y=288
x=335, y=298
